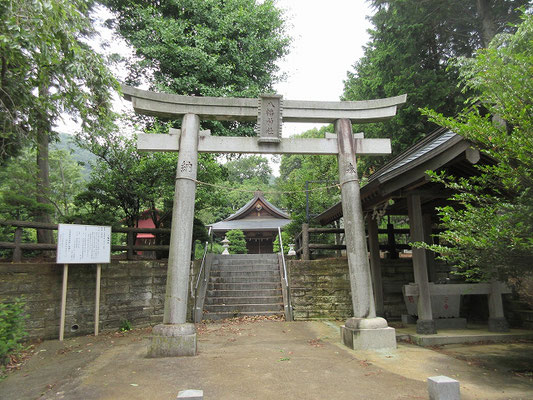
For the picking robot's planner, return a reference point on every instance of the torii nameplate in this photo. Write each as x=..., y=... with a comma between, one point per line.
x=245, y=109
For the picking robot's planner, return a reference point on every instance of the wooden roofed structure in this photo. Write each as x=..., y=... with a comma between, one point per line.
x=405, y=175
x=403, y=187
x=259, y=220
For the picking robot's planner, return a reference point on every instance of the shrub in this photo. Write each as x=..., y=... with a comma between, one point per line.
x=125, y=325
x=12, y=329
x=237, y=243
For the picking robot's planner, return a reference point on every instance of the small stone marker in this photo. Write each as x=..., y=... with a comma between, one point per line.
x=443, y=388
x=191, y=394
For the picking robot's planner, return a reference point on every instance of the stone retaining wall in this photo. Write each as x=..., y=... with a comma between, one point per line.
x=135, y=290
x=321, y=288
x=130, y=290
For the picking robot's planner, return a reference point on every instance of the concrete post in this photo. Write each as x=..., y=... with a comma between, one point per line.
x=364, y=330
x=375, y=263
x=425, y=323
x=497, y=321
x=175, y=337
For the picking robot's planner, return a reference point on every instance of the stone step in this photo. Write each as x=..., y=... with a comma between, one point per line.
x=269, y=256
x=242, y=293
x=239, y=279
x=243, y=307
x=214, y=316
x=244, y=300
x=245, y=274
x=244, y=286
x=245, y=267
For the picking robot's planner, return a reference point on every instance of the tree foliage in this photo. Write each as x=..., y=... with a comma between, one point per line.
x=489, y=230
x=47, y=69
x=410, y=47
x=319, y=171
x=249, y=168
x=18, y=186
x=204, y=48
x=187, y=47
x=126, y=182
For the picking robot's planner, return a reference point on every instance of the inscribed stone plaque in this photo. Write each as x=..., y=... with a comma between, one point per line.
x=83, y=244
x=270, y=118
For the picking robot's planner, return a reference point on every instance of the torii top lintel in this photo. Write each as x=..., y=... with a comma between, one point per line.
x=269, y=111
x=245, y=109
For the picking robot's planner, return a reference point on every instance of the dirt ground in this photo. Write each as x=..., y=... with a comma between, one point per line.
x=266, y=360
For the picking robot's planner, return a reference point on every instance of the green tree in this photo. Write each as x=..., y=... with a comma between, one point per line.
x=237, y=242
x=204, y=48
x=489, y=229
x=410, y=46
x=48, y=69
x=249, y=168
x=320, y=171
x=125, y=182
x=18, y=185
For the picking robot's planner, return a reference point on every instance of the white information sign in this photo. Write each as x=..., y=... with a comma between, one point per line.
x=83, y=244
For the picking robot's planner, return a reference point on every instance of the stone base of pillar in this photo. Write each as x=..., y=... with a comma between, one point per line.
x=172, y=340
x=368, y=334
x=498, y=325
x=426, y=327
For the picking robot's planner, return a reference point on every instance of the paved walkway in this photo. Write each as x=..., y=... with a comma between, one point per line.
x=255, y=360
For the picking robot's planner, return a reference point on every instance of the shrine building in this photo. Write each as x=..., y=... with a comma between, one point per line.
x=259, y=220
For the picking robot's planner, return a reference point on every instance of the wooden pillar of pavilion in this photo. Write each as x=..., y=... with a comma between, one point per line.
x=425, y=323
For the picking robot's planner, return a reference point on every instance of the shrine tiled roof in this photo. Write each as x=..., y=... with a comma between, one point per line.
x=260, y=224
x=258, y=196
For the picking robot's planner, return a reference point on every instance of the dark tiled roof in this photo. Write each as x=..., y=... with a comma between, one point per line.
x=260, y=224
x=257, y=196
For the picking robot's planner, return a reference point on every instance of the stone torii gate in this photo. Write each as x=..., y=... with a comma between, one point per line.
x=175, y=337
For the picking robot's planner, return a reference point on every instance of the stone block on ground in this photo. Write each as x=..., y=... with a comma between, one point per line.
x=443, y=388
x=191, y=394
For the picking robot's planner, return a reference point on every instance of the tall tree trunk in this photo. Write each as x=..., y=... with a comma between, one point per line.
x=43, y=186
x=488, y=26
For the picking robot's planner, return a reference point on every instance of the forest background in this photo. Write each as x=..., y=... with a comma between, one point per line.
x=204, y=48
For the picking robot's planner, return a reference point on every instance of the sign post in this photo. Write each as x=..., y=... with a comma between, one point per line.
x=82, y=244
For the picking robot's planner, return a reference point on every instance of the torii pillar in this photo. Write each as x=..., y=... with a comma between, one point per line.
x=176, y=337
x=364, y=330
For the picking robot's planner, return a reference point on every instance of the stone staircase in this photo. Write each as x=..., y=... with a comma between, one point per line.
x=243, y=285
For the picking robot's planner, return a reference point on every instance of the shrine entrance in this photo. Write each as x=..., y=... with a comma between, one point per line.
x=175, y=337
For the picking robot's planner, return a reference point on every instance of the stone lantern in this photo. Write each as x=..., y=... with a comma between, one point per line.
x=225, y=244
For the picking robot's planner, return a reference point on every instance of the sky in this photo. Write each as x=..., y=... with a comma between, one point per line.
x=328, y=38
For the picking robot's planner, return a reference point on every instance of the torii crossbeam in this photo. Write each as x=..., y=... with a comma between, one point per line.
x=177, y=338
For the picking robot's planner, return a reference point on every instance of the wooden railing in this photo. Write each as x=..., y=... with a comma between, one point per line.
x=304, y=247
x=130, y=248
